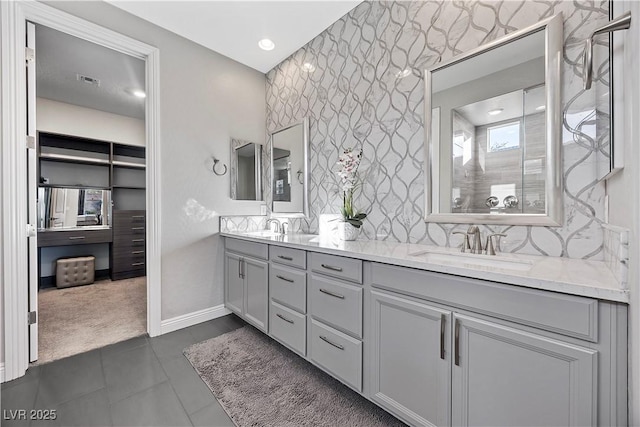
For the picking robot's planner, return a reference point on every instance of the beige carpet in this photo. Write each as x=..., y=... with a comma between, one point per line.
x=261, y=383
x=75, y=320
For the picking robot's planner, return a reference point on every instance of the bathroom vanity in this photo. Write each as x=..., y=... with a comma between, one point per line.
x=525, y=340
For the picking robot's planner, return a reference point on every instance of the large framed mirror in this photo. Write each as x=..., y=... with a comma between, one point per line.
x=246, y=170
x=290, y=169
x=73, y=208
x=493, y=125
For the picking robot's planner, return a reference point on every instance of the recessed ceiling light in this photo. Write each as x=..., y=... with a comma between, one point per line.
x=308, y=67
x=495, y=112
x=540, y=108
x=138, y=93
x=403, y=73
x=266, y=44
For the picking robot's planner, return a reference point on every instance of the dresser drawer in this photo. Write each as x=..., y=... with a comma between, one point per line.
x=293, y=257
x=256, y=250
x=337, y=304
x=129, y=242
x=288, y=286
x=73, y=237
x=129, y=217
x=336, y=266
x=337, y=353
x=128, y=263
x=288, y=327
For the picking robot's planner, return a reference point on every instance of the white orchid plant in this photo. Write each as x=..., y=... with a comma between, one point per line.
x=349, y=162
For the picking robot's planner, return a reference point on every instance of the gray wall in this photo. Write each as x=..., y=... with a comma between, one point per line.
x=353, y=98
x=205, y=98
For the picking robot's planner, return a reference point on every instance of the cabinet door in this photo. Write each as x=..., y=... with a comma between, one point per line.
x=256, y=276
x=410, y=359
x=507, y=377
x=234, y=283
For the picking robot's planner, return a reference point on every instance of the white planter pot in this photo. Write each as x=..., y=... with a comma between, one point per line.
x=347, y=231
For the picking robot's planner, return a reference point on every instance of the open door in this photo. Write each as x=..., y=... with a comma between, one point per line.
x=32, y=189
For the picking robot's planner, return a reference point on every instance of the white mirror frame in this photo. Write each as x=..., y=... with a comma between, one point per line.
x=305, y=184
x=554, y=202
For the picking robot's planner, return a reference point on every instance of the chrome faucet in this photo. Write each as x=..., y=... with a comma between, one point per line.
x=477, y=240
x=277, y=222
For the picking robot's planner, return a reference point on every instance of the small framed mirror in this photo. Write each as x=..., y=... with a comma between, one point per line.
x=246, y=170
x=493, y=132
x=290, y=169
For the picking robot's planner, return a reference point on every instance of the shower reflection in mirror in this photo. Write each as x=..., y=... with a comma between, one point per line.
x=498, y=150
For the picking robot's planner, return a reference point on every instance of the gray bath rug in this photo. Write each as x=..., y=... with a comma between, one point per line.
x=261, y=383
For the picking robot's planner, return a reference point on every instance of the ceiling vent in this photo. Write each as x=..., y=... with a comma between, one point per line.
x=88, y=80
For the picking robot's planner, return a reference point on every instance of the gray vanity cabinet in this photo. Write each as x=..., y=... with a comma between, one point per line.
x=507, y=377
x=247, y=281
x=234, y=284
x=410, y=359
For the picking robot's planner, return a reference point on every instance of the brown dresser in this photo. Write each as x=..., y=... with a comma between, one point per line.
x=128, y=251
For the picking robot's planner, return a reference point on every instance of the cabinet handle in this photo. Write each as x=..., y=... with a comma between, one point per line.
x=240, y=268
x=456, y=357
x=285, y=279
x=325, y=339
x=443, y=319
x=287, y=258
x=76, y=237
x=137, y=252
x=137, y=216
x=330, y=267
x=137, y=240
x=135, y=264
x=284, y=318
x=324, y=291
x=137, y=228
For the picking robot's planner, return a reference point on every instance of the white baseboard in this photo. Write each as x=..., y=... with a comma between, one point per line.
x=190, y=319
x=1, y=372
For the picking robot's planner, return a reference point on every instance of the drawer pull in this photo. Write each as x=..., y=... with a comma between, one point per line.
x=286, y=258
x=330, y=267
x=137, y=216
x=136, y=264
x=285, y=279
x=137, y=228
x=76, y=237
x=325, y=339
x=137, y=240
x=324, y=291
x=137, y=252
x=284, y=318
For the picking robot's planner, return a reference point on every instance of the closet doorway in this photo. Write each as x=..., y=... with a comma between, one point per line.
x=89, y=182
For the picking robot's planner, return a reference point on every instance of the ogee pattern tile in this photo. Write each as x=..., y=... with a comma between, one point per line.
x=353, y=98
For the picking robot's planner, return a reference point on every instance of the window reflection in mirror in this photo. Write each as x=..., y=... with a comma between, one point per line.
x=70, y=208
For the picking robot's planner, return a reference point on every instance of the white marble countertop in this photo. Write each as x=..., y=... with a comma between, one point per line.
x=570, y=276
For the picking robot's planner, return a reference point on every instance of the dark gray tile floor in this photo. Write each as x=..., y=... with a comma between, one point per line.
x=140, y=382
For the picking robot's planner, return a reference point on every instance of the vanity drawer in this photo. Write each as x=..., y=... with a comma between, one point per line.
x=289, y=287
x=336, y=266
x=555, y=312
x=75, y=237
x=337, y=353
x=293, y=257
x=337, y=304
x=288, y=327
x=256, y=250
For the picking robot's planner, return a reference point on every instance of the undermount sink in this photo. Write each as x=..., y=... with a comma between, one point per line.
x=473, y=260
x=263, y=233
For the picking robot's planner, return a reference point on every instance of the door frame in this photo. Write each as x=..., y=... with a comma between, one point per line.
x=13, y=177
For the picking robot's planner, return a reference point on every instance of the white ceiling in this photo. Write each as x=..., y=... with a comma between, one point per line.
x=233, y=28
x=61, y=57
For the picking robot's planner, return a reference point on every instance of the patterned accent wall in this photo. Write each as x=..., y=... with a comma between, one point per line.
x=354, y=97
